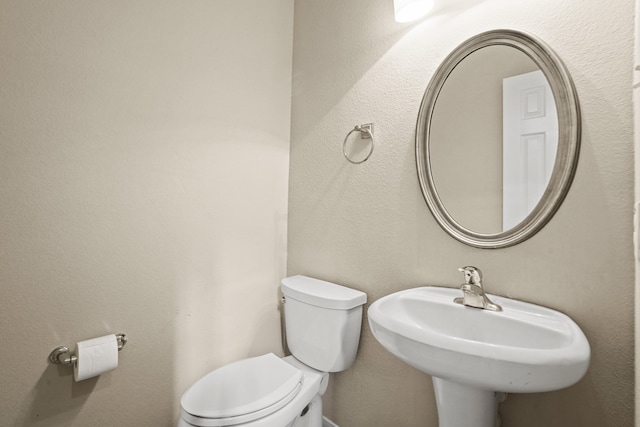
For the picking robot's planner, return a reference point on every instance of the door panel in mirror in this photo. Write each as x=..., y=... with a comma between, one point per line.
x=529, y=144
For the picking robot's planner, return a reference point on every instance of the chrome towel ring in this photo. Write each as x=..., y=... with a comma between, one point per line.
x=366, y=132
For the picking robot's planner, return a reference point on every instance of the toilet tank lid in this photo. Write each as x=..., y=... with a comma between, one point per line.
x=322, y=294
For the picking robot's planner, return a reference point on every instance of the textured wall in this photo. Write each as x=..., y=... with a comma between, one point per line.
x=636, y=122
x=144, y=154
x=367, y=226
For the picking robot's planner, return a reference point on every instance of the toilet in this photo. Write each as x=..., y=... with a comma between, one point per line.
x=323, y=322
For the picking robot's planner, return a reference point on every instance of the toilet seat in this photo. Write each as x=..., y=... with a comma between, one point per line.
x=242, y=392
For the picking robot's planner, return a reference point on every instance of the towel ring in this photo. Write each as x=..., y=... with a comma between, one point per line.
x=366, y=132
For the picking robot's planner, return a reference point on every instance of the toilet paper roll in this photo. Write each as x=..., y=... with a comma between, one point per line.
x=95, y=356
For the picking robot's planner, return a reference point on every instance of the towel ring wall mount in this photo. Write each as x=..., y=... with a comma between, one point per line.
x=366, y=133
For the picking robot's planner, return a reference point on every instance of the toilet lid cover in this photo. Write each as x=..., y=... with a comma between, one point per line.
x=242, y=387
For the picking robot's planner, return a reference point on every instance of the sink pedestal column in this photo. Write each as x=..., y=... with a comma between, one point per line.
x=465, y=406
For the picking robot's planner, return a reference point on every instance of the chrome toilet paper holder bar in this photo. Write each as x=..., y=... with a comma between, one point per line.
x=62, y=355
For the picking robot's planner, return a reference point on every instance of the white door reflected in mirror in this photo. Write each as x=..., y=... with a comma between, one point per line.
x=529, y=144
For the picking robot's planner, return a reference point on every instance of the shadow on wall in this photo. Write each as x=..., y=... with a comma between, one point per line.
x=48, y=404
x=526, y=406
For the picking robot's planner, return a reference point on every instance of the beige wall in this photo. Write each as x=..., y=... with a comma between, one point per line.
x=368, y=226
x=144, y=154
x=636, y=122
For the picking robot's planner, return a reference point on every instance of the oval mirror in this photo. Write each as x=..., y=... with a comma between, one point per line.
x=497, y=139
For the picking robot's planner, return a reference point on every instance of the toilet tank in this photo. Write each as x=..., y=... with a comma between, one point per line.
x=322, y=322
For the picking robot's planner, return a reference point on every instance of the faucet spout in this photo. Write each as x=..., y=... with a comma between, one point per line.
x=473, y=292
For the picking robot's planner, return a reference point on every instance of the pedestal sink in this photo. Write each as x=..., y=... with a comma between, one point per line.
x=475, y=354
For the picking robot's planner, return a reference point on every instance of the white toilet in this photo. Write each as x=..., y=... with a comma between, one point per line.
x=323, y=323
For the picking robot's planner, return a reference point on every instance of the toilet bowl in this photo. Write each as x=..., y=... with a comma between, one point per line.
x=323, y=322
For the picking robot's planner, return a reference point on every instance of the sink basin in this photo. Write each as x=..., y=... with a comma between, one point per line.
x=524, y=348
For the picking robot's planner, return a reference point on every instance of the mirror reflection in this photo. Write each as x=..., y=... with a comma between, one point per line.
x=497, y=139
x=493, y=139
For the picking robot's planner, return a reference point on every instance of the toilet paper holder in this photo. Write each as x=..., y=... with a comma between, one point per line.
x=62, y=355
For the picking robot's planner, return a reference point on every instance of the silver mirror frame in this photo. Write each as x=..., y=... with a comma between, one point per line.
x=569, y=134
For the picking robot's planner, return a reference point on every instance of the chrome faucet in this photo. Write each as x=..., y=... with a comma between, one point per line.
x=474, y=295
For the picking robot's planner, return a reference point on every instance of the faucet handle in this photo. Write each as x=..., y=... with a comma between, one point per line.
x=474, y=295
x=472, y=275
